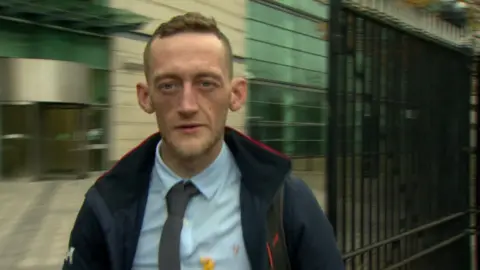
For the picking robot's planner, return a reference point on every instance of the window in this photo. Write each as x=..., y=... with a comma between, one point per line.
x=317, y=7
x=33, y=41
x=286, y=50
x=281, y=46
x=97, y=138
x=17, y=131
x=290, y=120
x=100, y=79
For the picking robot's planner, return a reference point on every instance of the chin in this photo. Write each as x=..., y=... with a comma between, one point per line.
x=191, y=149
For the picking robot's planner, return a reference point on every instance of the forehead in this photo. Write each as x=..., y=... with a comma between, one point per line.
x=188, y=52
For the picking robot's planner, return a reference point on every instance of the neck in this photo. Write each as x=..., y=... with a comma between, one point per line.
x=186, y=168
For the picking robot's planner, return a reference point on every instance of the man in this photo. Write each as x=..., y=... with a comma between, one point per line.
x=196, y=196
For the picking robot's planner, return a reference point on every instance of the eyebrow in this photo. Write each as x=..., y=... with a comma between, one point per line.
x=209, y=74
x=157, y=77
x=170, y=75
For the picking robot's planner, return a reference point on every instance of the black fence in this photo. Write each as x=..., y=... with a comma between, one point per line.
x=476, y=160
x=398, y=152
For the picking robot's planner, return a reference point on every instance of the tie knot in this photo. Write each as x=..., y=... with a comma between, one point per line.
x=178, y=197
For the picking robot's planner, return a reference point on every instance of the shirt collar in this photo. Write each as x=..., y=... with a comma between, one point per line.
x=207, y=182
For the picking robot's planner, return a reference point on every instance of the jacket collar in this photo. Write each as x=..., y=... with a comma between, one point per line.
x=262, y=168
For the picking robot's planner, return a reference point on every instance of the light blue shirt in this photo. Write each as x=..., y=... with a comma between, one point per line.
x=212, y=226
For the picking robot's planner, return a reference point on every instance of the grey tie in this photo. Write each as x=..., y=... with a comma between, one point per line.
x=177, y=201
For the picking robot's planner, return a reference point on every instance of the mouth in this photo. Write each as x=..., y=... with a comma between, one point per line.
x=189, y=128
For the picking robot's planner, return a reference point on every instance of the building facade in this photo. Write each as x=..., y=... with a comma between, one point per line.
x=54, y=86
x=129, y=125
x=287, y=60
x=68, y=94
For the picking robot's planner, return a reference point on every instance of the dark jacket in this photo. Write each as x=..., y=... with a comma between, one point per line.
x=107, y=228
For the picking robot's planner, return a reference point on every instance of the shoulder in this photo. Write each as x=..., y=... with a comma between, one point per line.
x=298, y=194
x=307, y=230
x=303, y=214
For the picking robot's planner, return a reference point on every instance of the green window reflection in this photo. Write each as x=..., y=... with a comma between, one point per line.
x=310, y=6
x=100, y=79
x=290, y=120
x=287, y=59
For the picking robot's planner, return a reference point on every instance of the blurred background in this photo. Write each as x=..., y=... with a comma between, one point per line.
x=68, y=107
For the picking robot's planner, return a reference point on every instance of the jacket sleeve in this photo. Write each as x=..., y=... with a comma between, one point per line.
x=309, y=235
x=86, y=248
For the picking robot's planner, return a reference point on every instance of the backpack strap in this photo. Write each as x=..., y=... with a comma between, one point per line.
x=276, y=244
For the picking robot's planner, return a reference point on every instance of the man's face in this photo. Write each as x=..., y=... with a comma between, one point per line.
x=190, y=91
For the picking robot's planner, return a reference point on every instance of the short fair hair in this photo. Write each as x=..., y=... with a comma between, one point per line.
x=190, y=22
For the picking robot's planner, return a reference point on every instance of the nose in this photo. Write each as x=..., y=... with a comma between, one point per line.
x=188, y=100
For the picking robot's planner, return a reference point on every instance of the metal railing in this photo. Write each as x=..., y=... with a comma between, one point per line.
x=398, y=172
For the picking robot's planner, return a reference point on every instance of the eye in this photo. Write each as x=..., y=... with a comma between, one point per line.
x=205, y=84
x=166, y=86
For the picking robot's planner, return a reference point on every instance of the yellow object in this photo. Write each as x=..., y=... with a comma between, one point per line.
x=208, y=264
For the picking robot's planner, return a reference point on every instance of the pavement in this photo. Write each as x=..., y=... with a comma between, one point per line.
x=35, y=222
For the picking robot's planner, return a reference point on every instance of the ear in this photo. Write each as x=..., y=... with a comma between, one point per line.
x=143, y=97
x=238, y=96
